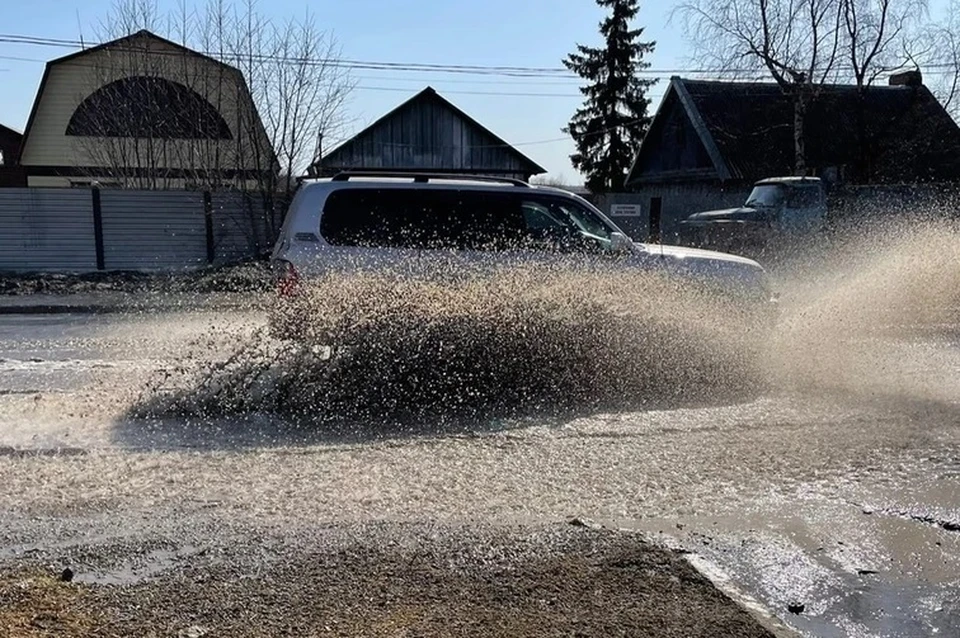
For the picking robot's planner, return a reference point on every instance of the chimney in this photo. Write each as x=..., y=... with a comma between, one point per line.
x=907, y=78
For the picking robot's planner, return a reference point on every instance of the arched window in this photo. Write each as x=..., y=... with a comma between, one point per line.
x=147, y=107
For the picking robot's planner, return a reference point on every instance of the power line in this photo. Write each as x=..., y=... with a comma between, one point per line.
x=395, y=89
x=509, y=70
x=382, y=78
x=398, y=89
x=363, y=87
x=520, y=72
x=560, y=73
x=571, y=82
x=16, y=58
x=759, y=79
x=554, y=140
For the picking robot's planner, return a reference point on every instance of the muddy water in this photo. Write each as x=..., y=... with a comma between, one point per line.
x=852, y=408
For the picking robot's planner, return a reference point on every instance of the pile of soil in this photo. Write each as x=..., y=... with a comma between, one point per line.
x=563, y=581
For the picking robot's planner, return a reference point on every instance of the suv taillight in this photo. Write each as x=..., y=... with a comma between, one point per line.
x=288, y=280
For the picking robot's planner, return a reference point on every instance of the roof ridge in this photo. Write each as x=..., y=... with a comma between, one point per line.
x=771, y=83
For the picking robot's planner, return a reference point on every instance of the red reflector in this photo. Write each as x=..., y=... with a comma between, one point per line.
x=289, y=281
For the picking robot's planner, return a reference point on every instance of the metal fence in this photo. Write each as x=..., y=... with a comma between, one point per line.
x=77, y=230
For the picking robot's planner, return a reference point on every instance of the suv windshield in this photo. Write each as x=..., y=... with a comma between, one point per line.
x=766, y=196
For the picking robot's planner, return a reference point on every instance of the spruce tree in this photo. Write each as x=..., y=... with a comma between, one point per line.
x=610, y=125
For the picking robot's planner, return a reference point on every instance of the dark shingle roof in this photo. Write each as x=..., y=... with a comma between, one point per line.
x=909, y=135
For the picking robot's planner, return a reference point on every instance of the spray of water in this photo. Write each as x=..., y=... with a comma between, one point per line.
x=854, y=307
x=539, y=341
x=518, y=340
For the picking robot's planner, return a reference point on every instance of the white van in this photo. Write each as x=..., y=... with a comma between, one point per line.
x=399, y=222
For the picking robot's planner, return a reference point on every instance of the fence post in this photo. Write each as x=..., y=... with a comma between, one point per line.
x=98, y=227
x=208, y=219
x=656, y=224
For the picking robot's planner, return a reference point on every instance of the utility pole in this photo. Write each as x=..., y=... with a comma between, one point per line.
x=314, y=170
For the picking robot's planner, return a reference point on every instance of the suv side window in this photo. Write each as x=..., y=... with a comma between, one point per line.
x=557, y=213
x=420, y=219
x=457, y=219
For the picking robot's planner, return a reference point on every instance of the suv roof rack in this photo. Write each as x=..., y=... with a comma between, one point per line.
x=344, y=176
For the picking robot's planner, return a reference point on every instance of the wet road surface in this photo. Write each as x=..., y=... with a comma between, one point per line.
x=840, y=497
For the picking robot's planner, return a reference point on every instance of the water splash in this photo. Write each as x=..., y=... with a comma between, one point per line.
x=519, y=340
x=535, y=341
x=858, y=312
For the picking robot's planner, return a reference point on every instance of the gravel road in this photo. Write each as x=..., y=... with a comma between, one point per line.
x=836, y=494
x=382, y=580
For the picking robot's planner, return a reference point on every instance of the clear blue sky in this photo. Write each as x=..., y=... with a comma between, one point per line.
x=532, y=33
x=535, y=33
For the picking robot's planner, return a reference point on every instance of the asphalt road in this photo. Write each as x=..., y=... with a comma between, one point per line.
x=837, y=488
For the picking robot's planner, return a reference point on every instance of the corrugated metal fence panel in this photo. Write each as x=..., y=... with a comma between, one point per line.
x=241, y=228
x=153, y=230
x=47, y=229
x=233, y=235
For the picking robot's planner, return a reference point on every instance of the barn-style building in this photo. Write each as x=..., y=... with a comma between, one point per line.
x=144, y=112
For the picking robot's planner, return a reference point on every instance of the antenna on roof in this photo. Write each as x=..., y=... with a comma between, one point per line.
x=80, y=29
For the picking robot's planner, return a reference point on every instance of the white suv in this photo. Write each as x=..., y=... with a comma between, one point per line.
x=391, y=221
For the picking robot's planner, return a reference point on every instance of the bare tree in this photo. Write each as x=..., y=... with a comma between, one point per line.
x=291, y=73
x=936, y=47
x=877, y=37
x=129, y=16
x=300, y=86
x=795, y=42
x=119, y=128
x=876, y=32
x=295, y=76
x=280, y=88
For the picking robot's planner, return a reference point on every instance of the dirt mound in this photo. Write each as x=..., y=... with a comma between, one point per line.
x=390, y=580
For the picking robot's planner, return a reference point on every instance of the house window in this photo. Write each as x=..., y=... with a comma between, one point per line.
x=147, y=108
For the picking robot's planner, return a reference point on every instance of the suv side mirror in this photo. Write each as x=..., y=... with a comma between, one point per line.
x=620, y=243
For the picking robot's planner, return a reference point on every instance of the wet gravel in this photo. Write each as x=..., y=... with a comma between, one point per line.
x=375, y=579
